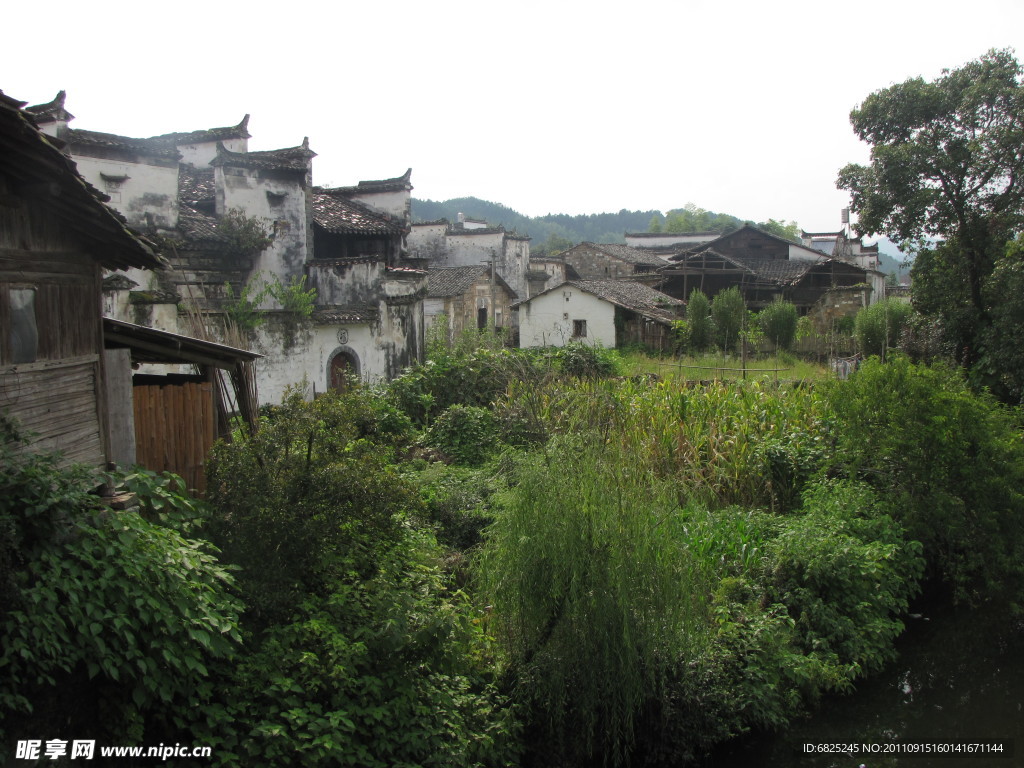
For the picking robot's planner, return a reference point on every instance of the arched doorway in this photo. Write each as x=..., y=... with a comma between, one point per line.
x=344, y=366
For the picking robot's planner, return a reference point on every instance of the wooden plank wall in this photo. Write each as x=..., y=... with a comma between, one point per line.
x=175, y=428
x=57, y=401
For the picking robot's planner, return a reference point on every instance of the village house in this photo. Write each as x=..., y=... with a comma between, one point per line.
x=840, y=245
x=472, y=243
x=66, y=373
x=765, y=267
x=233, y=222
x=606, y=261
x=545, y=272
x=608, y=313
x=470, y=297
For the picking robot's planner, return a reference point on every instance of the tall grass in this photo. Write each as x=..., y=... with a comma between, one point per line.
x=714, y=441
x=783, y=367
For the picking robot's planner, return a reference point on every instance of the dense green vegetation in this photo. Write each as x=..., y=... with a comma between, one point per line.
x=510, y=558
x=554, y=558
x=946, y=179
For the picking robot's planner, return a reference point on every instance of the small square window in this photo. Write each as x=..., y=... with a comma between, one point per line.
x=579, y=329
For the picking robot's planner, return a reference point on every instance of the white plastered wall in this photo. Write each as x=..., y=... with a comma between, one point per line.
x=547, y=320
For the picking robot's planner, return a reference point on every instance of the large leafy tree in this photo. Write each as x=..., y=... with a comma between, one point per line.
x=947, y=162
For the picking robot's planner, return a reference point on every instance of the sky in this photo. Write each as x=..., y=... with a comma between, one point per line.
x=736, y=106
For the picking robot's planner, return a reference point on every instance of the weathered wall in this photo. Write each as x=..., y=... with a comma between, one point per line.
x=593, y=264
x=800, y=253
x=462, y=311
x=304, y=355
x=280, y=201
x=148, y=194
x=427, y=241
x=838, y=303
x=470, y=249
x=201, y=153
x=347, y=282
x=395, y=203
x=513, y=264
x=666, y=239
x=547, y=320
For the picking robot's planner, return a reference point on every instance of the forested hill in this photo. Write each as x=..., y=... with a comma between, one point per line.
x=560, y=227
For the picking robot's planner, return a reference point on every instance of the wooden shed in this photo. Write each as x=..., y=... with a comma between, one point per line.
x=167, y=421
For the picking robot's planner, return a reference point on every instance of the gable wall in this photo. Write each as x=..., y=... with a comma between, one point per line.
x=593, y=264
x=547, y=320
x=148, y=198
x=287, y=218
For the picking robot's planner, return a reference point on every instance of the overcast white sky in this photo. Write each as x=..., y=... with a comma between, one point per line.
x=738, y=106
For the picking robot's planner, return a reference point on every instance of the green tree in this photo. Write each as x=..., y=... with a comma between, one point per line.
x=879, y=326
x=946, y=163
x=1002, y=355
x=655, y=225
x=728, y=311
x=948, y=462
x=778, y=322
x=698, y=316
x=790, y=231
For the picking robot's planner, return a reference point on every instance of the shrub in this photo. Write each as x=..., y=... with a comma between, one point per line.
x=846, y=573
x=375, y=672
x=583, y=361
x=454, y=377
x=949, y=462
x=102, y=607
x=312, y=487
x=778, y=321
x=701, y=326
x=457, y=500
x=729, y=312
x=465, y=433
x=878, y=326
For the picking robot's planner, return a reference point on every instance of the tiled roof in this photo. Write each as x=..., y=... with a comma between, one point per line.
x=194, y=226
x=148, y=147
x=455, y=230
x=195, y=184
x=446, y=282
x=51, y=111
x=775, y=271
x=381, y=185
x=627, y=294
x=29, y=157
x=778, y=271
x=632, y=255
x=626, y=253
x=292, y=158
x=337, y=214
x=240, y=131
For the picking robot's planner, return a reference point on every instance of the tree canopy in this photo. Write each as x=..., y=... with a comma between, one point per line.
x=947, y=160
x=947, y=164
